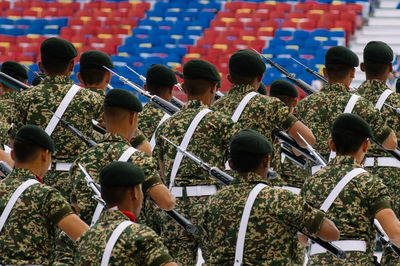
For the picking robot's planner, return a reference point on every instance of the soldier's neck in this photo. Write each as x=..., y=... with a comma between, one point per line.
x=36, y=169
x=118, y=130
x=380, y=78
x=205, y=98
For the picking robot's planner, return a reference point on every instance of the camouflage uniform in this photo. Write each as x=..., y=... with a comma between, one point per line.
x=137, y=245
x=276, y=216
x=8, y=106
x=34, y=108
x=28, y=235
x=371, y=90
x=209, y=142
x=149, y=118
x=353, y=210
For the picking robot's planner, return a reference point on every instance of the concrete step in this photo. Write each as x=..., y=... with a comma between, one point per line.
x=389, y=4
x=388, y=13
x=389, y=39
x=384, y=22
x=378, y=31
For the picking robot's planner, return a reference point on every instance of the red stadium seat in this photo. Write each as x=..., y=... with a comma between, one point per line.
x=285, y=7
x=267, y=6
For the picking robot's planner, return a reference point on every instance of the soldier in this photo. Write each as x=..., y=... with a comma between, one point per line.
x=272, y=220
x=319, y=110
x=350, y=196
x=205, y=133
x=116, y=239
x=378, y=57
x=57, y=93
x=28, y=228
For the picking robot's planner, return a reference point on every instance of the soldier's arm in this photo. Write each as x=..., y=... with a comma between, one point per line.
x=328, y=231
x=145, y=147
x=73, y=226
x=162, y=196
x=391, y=142
x=390, y=224
x=299, y=127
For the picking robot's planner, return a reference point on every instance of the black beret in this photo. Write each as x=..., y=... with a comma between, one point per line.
x=14, y=69
x=283, y=87
x=261, y=89
x=160, y=74
x=341, y=55
x=398, y=85
x=249, y=142
x=121, y=174
x=95, y=59
x=200, y=69
x=36, y=135
x=123, y=99
x=378, y=52
x=37, y=79
x=246, y=63
x=59, y=48
x=353, y=123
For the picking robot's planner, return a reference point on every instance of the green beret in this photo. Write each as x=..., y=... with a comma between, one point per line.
x=123, y=99
x=121, y=174
x=353, y=123
x=59, y=48
x=200, y=69
x=160, y=74
x=398, y=85
x=95, y=59
x=246, y=63
x=261, y=89
x=378, y=52
x=283, y=87
x=36, y=135
x=341, y=55
x=249, y=142
x=14, y=70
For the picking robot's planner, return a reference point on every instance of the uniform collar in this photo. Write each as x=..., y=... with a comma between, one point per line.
x=344, y=160
x=241, y=89
x=114, y=137
x=57, y=79
x=194, y=104
x=115, y=213
x=251, y=177
x=374, y=85
x=25, y=174
x=338, y=87
x=9, y=95
x=98, y=91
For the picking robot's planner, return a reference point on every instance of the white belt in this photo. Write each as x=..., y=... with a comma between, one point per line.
x=294, y=190
x=345, y=245
x=194, y=191
x=382, y=161
x=61, y=166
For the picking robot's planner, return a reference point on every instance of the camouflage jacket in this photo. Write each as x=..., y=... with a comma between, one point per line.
x=93, y=160
x=8, y=106
x=137, y=245
x=276, y=216
x=149, y=118
x=209, y=142
x=354, y=209
x=262, y=113
x=319, y=110
x=35, y=106
x=28, y=235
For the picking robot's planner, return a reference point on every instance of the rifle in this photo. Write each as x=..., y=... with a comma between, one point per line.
x=313, y=72
x=290, y=76
x=395, y=153
x=397, y=110
x=91, y=184
x=5, y=168
x=293, y=157
x=385, y=238
x=226, y=180
x=12, y=82
x=97, y=127
x=156, y=100
x=175, y=101
x=316, y=155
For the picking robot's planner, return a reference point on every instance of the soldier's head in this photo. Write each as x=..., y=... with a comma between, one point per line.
x=350, y=135
x=378, y=58
x=262, y=89
x=91, y=71
x=285, y=91
x=32, y=149
x=121, y=110
x=200, y=80
x=14, y=70
x=160, y=80
x=246, y=68
x=121, y=186
x=250, y=152
x=57, y=57
x=340, y=63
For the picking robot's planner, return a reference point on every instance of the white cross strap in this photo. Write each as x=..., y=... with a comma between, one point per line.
x=14, y=197
x=184, y=144
x=383, y=98
x=243, y=103
x=153, y=137
x=339, y=187
x=112, y=240
x=244, y=221
x=127, y=154
x=61, y=109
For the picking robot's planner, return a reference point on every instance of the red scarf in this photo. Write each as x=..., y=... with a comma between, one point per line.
x=39, y=179
x=129, y=215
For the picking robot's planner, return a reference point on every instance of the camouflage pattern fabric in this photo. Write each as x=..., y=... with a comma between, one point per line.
x=149, y=118
x=271, y=237
x=28, y=236
x=353, y=210
x=8, y=106
x=137, y=245
x=4, y=138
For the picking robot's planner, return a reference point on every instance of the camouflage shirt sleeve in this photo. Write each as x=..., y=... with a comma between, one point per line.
x=375, y=192
x=152, y=176
x=55, y=206
x=281, y=115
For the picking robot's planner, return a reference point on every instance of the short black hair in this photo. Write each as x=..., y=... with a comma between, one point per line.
x=26, y=151
x=197, y=87
x=346, y=141
x=113, y=195
x=238, y=79
x=55, y=65
x=337, y=71
x=115, y=113
x=92, y=76
x=155, y=88
x=375, y=69
x=248, y=163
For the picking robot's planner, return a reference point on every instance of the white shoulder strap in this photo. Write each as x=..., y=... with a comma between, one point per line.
x=243, y=223
x=14, y=197
x=339, y=187
x=112, y=240
x=383, y=98
x=97, y=213
x=185, y=143
x=127, y=154
x=153, y=137
x=239, y=109
x=61, y=109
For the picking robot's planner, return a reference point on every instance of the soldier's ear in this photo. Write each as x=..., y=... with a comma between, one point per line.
x=332, y=145
x=78, y=75
x=12, y=154
x=231, y=164
x=229, y=78
x=325, y=72
x=362, y=67
x=183, y=87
